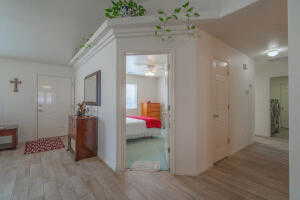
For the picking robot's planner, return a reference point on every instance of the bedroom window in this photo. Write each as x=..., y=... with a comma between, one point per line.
x=131, y=96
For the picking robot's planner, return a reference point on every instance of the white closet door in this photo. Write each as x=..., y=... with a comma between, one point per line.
x=221, y=112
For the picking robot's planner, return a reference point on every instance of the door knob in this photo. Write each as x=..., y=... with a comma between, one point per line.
x=215, y=115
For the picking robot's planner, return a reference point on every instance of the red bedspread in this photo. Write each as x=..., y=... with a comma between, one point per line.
x=150, y=122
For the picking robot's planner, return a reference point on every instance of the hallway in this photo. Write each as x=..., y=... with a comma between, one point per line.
x=257, y=172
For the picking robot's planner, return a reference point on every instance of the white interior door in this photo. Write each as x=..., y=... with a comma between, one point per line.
x=166, y=111
x=284, y=100
x=221, y=111
x=54, y=105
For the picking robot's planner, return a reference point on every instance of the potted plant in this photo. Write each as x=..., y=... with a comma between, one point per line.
x=82, y=109
x=125, y=8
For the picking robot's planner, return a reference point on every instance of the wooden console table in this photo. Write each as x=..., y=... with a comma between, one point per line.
x=9, y=130
x=83, y=136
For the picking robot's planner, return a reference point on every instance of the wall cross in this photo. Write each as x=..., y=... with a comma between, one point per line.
x=16, y=82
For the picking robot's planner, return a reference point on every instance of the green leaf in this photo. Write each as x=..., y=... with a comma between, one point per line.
x=190, y=9
x=161, y=19
x=193, y=27
x=197, y=14
x=161, y=12
x=108, y=9
x=168, y=30
x=175, y=16
x=186, y=4
x=158, y=27
x=177, y=10
x=168, y=18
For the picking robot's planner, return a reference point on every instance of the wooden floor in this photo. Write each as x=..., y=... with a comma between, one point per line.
x=257, y=172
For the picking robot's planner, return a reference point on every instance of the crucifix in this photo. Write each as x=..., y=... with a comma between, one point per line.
x=16, y=81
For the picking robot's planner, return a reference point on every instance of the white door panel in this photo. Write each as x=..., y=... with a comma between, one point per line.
x=54, y=105
x=221, y=113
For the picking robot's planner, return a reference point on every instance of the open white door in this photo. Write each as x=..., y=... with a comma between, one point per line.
x=54, y=105
x=284, y=100
x=166, y=111
x=220, y=116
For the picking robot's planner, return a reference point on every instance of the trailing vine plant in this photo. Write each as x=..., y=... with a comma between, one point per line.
x=83, y=43
x=125, y=8
x=163, y=30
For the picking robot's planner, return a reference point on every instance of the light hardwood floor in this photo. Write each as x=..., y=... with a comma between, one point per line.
x=257, y=172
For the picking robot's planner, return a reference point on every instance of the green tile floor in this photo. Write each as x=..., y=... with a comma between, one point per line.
x=147, y=149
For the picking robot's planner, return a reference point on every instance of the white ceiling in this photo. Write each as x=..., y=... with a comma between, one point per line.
x=48, y=31
x=254, y=29
x=141, y=64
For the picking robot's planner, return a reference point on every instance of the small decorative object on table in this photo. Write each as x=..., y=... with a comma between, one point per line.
x=82, y=109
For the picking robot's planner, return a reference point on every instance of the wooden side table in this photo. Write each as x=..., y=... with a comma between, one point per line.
x=9, y=130
x=82, y=137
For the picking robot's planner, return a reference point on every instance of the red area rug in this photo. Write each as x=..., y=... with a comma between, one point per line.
x=44, y=144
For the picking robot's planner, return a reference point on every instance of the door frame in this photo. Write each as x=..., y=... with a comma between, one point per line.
x=281, y=99
x=36, y=97
x=269, y=93
x=214, y=62
x=121, y=105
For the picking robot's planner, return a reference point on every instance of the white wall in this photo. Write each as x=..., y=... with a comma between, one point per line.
x=263, y=73
x=191, y=62
x=186, y=93
x=104, y=60
x=147, y=91
x=20, y=108
x=294, y=97
x=241, y=97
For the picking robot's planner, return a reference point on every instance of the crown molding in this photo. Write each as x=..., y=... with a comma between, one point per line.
x=141, y=26
x=230, y=7
x=124, y=28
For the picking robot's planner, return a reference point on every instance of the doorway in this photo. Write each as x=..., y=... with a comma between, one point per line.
x=279, y=107
x=54, y=104
x=148, y=124
x=220, y=97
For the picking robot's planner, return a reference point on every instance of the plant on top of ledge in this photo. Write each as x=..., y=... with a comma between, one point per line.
x=125, y=8
x=185, y=12
x=83, y=43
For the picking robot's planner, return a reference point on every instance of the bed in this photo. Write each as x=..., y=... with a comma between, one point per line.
x=139, y=127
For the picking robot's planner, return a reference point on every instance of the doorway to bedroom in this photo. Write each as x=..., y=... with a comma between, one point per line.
x=147, y=113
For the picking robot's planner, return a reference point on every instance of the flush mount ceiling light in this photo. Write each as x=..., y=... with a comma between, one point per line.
x=273, y=53
x=48, y=87
x=149, y=73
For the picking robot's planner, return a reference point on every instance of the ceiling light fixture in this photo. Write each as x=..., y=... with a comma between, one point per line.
x=149, y=73
x=273, y=53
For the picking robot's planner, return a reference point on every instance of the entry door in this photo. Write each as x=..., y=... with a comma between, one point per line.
x=54, y=105
x=220, y=111
x=284, y=99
